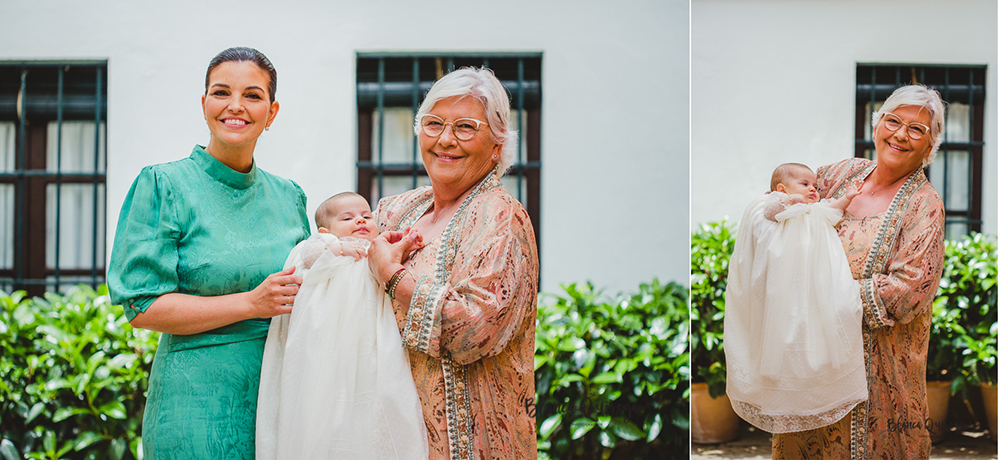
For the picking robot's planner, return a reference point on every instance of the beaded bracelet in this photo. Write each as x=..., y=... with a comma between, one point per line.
x=390, y=287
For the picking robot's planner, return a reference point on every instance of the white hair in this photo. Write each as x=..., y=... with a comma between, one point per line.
x=483, y=85
x=919, y=96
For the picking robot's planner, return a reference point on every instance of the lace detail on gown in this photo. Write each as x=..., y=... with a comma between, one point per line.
x=789, y=423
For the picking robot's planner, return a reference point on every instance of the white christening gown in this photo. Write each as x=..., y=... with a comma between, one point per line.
x=335, y=381
x=792, y=332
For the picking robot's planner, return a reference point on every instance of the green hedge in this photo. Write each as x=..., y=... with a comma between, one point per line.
x=612, y=373
x=74, y=376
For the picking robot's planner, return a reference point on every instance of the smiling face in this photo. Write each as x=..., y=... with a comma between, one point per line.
x=453, y=165
x=897, y=150
x=800, y=181
x=350, y=216
x=236, y=106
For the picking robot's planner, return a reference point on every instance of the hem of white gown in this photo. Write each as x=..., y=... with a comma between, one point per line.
x=790, y=423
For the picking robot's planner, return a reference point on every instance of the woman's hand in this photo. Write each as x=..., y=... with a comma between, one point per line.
x=389, y=250
x=275, y=295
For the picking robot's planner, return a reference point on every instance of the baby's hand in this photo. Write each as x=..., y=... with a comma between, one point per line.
x=415, y=235
x=352, y=249
x=797, y=198
x=418, y=241
x=853, y=190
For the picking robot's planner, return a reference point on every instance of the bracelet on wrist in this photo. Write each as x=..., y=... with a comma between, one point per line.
x=390, y=286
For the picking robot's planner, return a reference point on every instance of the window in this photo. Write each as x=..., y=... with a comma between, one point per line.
x=53, y=169
x=957, y=171
x=390, y=90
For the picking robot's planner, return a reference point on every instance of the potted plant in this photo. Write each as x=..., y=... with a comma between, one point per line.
x=712, y=417
x=947, y=339
x=969, y=290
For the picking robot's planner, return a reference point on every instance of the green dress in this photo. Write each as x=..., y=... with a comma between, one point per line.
x=195, y=226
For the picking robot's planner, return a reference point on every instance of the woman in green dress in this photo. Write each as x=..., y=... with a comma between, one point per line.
x=197, y=255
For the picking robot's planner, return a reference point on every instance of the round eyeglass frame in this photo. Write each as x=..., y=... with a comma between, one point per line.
x=454, y=129
x=910, y=129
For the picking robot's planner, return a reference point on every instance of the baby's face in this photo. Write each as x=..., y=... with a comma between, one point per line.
x=353, y=217
x=803, y=182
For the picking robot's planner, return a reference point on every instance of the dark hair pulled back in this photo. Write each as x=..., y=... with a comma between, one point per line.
x=245, y=54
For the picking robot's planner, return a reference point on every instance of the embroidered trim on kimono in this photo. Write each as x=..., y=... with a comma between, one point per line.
x=878, y=258
x=420, y=318
x=426, y=304
x=872, y=304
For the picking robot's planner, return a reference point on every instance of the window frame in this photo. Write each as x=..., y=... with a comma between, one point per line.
x=32, y=106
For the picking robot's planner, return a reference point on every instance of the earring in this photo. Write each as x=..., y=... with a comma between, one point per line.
x=267, y=128
x=494, y=157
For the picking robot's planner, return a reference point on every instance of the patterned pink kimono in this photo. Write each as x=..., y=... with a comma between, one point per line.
x=896, y=256
x=470, y=327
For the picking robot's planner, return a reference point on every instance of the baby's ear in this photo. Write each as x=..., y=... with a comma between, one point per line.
x=323, y=230
x=779, y=188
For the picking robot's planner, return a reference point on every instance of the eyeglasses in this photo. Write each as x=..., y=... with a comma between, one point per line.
x=464, y=128
x=913, y=129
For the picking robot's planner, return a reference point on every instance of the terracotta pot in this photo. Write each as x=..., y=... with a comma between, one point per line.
x=938, y=394
x=712, y=419
x=990, y=402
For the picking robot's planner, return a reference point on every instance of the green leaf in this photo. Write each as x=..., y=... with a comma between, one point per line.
x=606, y=440
x=580, y=427
x=56, y=384
x=63, y=413
x=654, y=428
x=8, y=450
x=118, y=447
x=136, y=447
x=114, y=409
x=549, y=425
x=85, y=439
x=34, y=412
x=606, y=377
x=625, y=429
x=49, y=442
x=66, y=447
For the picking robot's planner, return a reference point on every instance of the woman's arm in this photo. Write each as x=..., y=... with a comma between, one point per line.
x=185, y=314
x=908, y=287
x=490, y=292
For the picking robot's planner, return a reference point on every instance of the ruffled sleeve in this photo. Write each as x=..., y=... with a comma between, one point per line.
x=775, y=203
x=144, y=256
x=490, y=292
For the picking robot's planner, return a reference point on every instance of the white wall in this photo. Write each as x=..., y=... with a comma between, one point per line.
x=615, y=97
x=774, y=81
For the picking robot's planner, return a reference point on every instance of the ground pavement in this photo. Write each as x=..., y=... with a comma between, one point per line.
x=753, y=444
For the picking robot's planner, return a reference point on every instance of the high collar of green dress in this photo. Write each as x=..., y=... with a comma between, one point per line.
x=222, y=173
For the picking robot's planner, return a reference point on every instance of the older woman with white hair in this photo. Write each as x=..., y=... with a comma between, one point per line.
x=464, y=296
x=893, y=233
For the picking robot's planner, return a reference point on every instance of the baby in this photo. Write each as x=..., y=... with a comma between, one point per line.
x=347, y=217
x=796, y=183
x=792, y=336
x=335, y=382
